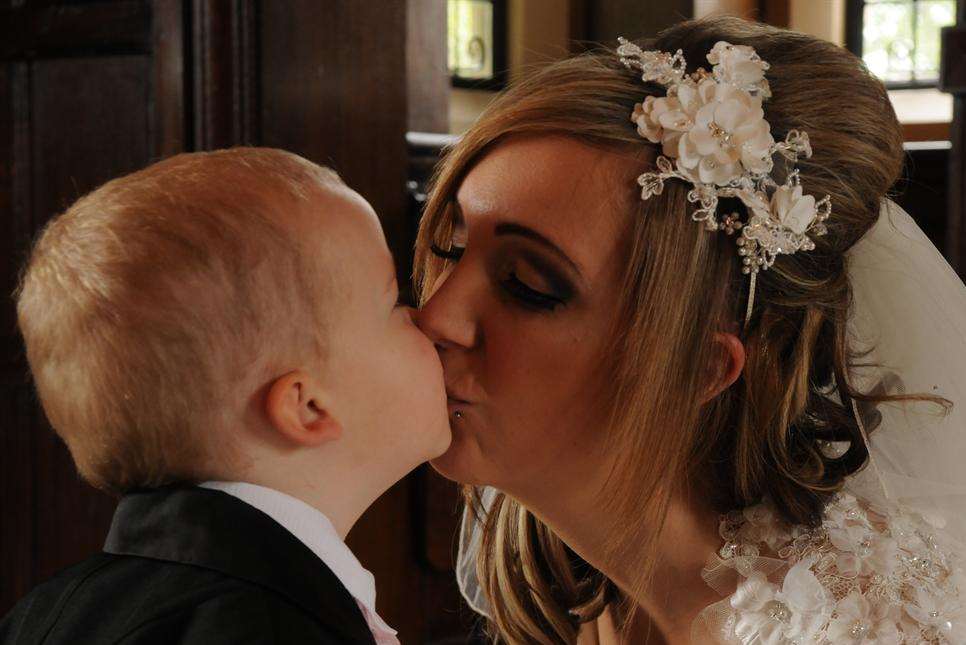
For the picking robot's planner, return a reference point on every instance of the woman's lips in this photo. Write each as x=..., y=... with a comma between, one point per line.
x=456, y=407
x=451, y=397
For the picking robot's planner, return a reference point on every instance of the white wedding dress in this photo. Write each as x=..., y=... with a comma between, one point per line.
x=885, y=566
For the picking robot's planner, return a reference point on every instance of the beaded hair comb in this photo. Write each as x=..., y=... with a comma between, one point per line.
x=714, y=136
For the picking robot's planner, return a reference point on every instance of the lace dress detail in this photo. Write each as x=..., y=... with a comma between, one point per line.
x=868, y=574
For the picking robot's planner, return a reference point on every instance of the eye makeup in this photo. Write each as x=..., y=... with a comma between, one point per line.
x=453, y=253
x=526, y=267
x=533, y=281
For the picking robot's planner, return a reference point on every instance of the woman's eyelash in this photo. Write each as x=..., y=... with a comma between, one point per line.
x=514, y=286
x=453, y=253
x=530, y=296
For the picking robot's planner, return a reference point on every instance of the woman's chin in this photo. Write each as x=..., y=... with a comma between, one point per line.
x=461, y=462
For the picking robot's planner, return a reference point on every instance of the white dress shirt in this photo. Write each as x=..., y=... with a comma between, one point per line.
x=315, y=531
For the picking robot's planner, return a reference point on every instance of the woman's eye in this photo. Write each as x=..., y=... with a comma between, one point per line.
x=529, y=296
x=453, y=253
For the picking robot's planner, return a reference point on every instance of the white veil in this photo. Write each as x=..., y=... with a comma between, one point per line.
x=910, y=307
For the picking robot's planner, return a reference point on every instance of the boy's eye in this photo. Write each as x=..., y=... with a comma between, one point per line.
x=452, y=254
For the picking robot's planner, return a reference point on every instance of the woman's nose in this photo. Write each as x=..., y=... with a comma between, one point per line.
x=448, y=318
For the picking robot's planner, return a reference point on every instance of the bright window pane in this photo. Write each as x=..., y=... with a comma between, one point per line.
x=887, y=40
x=901, y=38
x=470, y=27
x=932, y=16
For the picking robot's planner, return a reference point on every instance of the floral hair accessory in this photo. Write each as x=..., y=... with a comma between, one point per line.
x=713, y=135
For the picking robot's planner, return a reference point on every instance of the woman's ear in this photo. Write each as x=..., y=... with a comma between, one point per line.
x=298, y=408
x=730, y=360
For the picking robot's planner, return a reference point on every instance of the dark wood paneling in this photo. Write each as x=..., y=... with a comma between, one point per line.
x=92, y=90
x=79, y=141
x=923, y=191
x=775, y=12
x=17, y=405
x=166, y=97
x=427, y=73
x=953, y=79
x=438, y=520
x=39, y=30
x=14, y=201
x=224, y=90
x=17, y=530
x=88, y=91
x=333, y=89
x=89, y=124
x=956, y=170
x=633, y=18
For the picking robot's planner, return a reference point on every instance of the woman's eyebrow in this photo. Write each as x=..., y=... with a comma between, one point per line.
x=511, y=228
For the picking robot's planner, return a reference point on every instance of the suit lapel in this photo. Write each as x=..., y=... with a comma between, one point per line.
x=214, y=530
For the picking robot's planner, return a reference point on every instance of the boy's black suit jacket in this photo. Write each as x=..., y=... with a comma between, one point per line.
x=190, y=566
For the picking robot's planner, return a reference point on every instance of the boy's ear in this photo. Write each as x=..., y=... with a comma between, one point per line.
x=297, y=407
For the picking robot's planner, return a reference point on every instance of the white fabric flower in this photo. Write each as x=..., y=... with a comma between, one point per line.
x=766, y=525
x=729, y=135
x=767, y=615
x=793, y=209
x=859, y=621
x=867, y=575
x=740, y=66
x=862, y=550
x=647, y=125
x=940, y=613
x=654, y=124
x=712, y=126
x=666, y=119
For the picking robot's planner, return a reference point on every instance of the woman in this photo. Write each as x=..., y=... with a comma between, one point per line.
x=618, y=382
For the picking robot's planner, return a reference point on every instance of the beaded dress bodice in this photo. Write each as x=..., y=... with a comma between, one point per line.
x=866, y=575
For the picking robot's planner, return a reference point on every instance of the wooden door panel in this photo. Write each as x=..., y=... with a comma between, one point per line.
x=88, y=91
x=89, y=121
x=91, y=90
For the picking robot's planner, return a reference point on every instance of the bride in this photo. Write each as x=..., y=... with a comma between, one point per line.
x=701, y=371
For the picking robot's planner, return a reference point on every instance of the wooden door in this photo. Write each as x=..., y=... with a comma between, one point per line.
x=91, y=90
x=87, y=92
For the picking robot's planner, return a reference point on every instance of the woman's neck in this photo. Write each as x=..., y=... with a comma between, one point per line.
x=677, y=592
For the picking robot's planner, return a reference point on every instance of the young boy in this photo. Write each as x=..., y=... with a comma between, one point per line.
x=217, y=338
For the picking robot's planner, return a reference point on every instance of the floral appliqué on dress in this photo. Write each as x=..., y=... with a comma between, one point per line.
x=867, y=575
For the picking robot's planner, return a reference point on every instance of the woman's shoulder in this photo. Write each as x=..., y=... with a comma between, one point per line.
x=867, y=574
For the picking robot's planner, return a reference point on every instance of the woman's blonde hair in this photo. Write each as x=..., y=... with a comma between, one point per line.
x=759, y=438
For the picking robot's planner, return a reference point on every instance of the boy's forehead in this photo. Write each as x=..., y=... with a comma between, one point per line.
x=345, y=228
x=339, y=210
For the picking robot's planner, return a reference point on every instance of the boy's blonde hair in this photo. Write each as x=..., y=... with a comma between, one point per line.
x=153, y=305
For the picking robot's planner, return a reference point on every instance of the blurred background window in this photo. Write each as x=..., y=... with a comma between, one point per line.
x=899, y=39
x=476, y=42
